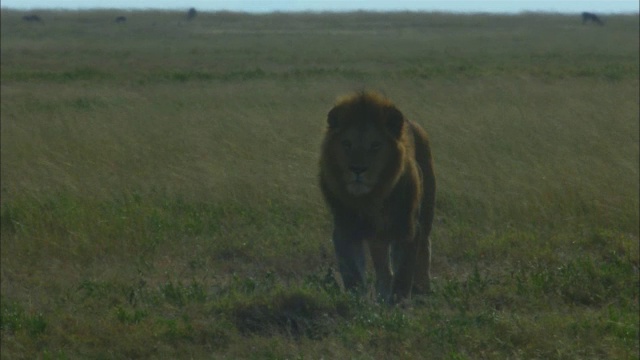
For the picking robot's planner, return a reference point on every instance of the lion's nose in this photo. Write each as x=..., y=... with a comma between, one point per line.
x=357, y=169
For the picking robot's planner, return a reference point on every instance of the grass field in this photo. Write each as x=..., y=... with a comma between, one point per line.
x=159, y=185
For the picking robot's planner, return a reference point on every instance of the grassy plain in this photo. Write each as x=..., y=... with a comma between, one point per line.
x=159, y=193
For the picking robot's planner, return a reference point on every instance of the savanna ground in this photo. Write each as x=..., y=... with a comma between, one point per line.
x=160, y=200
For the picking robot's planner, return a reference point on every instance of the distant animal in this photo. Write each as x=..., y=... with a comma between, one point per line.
x=32, y=18
x=191, y=14
x=591, y=17
x=121, y=19
x=377, y=178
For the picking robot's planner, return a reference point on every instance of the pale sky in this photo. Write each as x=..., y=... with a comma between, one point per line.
x=494, y=6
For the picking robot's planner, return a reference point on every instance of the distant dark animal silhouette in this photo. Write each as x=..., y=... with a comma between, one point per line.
x=32, y=18
x=121, y=19
x=191, y=14
x=591, y=17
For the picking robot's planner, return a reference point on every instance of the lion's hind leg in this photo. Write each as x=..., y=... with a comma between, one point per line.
x=422, y=273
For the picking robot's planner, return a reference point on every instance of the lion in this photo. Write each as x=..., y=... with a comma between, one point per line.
x=377, y=178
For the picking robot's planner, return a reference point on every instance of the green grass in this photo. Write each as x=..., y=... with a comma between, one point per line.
x=159, y=192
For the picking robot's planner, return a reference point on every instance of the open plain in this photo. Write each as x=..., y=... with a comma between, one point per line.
x=159, y=193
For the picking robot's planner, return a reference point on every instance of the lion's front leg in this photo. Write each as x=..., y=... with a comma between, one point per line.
x=351, y=258
x=405, y=256
x=384, y=277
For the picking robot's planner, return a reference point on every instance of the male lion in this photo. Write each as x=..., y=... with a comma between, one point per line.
x=376, y=175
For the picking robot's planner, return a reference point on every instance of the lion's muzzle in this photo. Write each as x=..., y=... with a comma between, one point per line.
x=356, y=183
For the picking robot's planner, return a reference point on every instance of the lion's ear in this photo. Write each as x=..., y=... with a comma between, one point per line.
x=333, y=118
x=394, y=121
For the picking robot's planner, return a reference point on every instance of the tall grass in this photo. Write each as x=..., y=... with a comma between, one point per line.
x=159, y=193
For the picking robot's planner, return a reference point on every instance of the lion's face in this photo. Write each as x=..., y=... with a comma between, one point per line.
x=361, y=154
x=362, y=148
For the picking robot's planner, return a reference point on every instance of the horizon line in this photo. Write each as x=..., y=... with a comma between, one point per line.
x=320, y=11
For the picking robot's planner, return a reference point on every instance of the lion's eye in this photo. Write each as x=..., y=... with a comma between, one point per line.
x=346, y=144
x=376, y=145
